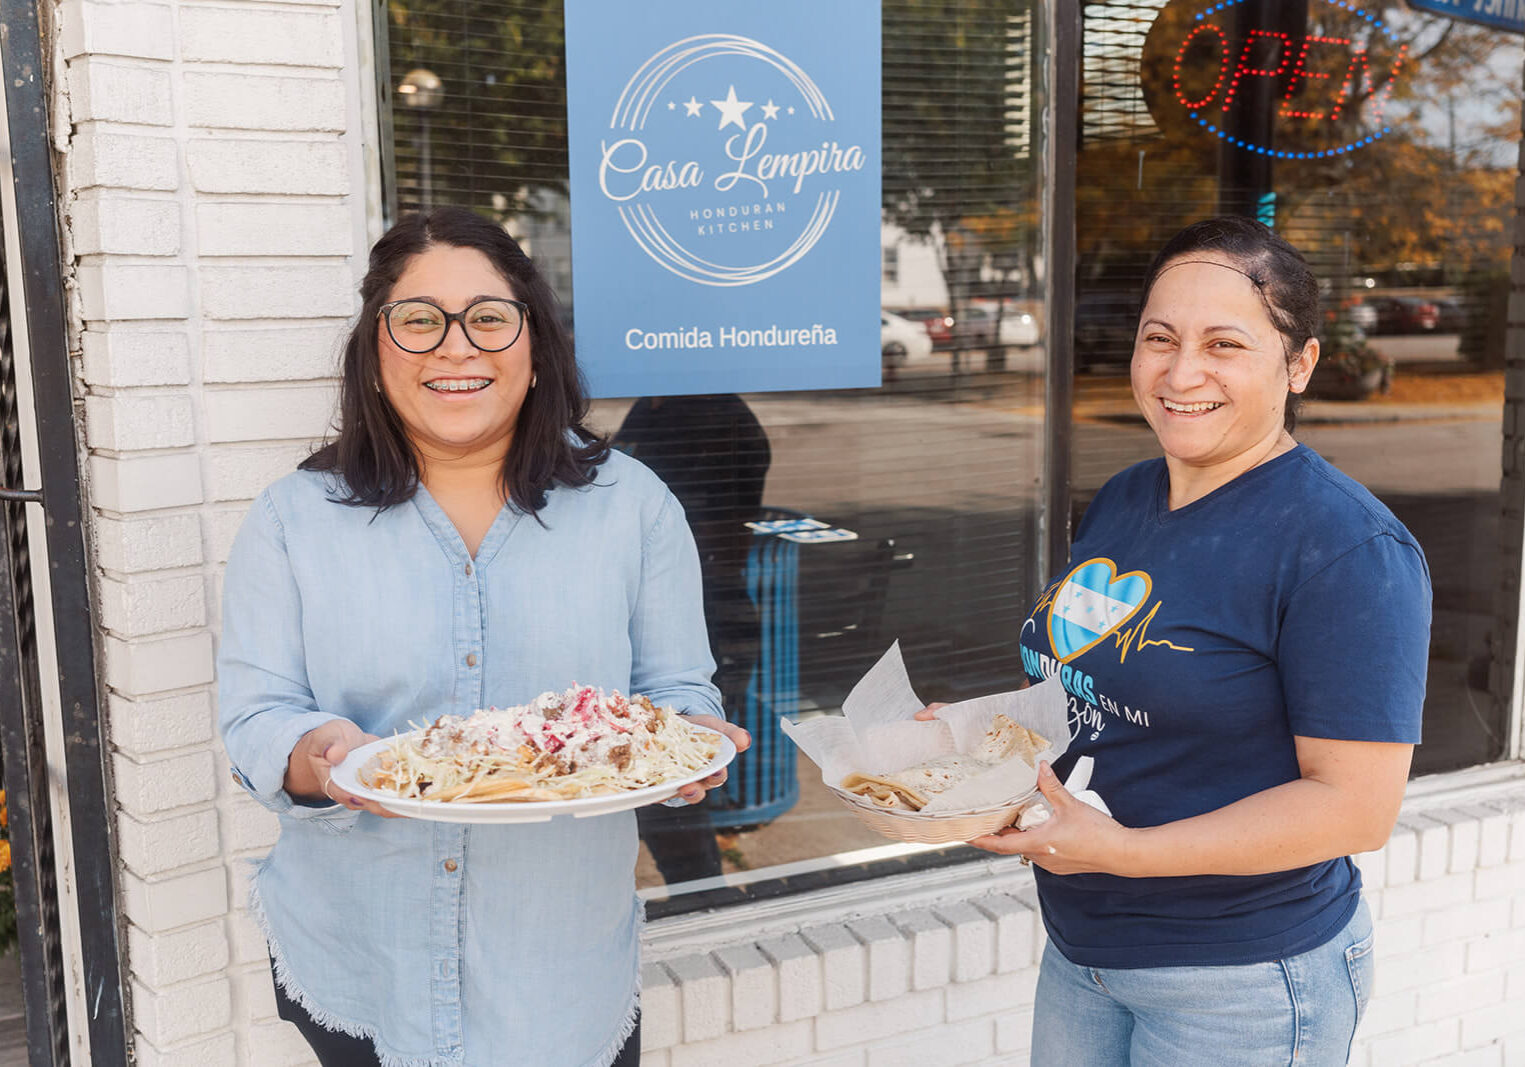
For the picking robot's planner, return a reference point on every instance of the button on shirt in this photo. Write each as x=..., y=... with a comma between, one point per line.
x=444, y=942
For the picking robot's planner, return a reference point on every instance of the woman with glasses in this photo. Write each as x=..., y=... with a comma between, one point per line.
x=463, y=541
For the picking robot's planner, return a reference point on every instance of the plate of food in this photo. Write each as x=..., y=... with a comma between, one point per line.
x=579, y=752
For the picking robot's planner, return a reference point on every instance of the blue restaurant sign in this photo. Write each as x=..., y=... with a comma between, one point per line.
x=1499, y=14
x=725, y=194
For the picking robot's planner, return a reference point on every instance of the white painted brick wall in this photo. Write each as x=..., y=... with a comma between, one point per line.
x=148, y=542
x=239, y=472
x=162, y=904
x=241, y=228
x=177, y=1012
x=141, y=728
x=135, y=422
x=157, y=665
x=258, y=292
x=264, y=102
x=212, y=214
x=120, y=358
x=121, y=160
x=154, y=847
x=1450, y=984
x=169, y=958
x=272, y=353
x=142, y=30
x=269, y=414
x=116, y=292
x=248, y=35
x=126, y=225
x=267, y=165
x=145, y=789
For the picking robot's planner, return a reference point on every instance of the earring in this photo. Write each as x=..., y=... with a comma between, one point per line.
x=534, y=379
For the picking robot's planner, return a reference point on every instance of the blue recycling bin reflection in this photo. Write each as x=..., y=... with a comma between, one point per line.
x=764, y=781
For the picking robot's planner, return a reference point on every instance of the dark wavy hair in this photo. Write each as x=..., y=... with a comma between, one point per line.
x=552, y=444
x=1278, y=271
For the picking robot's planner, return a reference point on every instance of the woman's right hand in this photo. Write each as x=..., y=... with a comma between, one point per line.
x=310, y=767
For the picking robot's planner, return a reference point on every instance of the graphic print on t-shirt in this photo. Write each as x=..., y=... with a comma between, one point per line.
x=1091, y=604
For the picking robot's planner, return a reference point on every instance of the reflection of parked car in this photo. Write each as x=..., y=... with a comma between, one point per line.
x=1404, y=314
x=974, y=327
x=1451, y=316
x=979, y=327
x=1106, y=321
x=1363, y=315
x=1019, y=328
x=938, y=323
x=901, y=339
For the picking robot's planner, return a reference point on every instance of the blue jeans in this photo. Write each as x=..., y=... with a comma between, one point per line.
x=1302, y=1009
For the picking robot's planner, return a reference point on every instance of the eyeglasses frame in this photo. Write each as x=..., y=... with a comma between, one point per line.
x=454, y=316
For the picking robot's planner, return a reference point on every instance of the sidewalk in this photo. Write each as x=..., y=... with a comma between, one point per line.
x=12, y=1022
x=1451, y=395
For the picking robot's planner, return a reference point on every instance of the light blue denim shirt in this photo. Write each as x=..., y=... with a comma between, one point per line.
x=444, y=943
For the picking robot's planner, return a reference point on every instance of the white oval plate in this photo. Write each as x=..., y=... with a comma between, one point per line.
x=346, y=777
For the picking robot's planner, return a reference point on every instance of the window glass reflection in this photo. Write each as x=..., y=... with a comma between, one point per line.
x=919, y=498
x=1409, y=231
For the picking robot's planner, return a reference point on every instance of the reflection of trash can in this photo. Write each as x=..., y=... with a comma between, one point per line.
x=762, y=784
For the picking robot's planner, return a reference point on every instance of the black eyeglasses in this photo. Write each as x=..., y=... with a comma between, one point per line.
x=419, y=326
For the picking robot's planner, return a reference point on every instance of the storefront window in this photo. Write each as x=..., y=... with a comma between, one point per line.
x=934, y=476
x=1389, y=158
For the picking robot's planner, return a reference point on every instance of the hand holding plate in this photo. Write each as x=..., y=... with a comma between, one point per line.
x=694, y=792
x=1076, y=839
x=310, y=767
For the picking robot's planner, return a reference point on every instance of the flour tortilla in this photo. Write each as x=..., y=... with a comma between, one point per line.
x=912, y=788
x=1006, y=739
x=883, y=792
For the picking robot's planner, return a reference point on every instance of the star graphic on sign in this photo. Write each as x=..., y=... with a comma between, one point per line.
x=731, y=109
x=791, y=111
x=671, y=106
x=692, y=106
x=770, y=110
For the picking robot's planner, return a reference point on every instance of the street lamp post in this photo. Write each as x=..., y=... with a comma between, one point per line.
x=422, y=91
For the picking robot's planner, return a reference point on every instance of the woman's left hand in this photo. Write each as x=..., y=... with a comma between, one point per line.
x=694, y=792
x=1076, y=839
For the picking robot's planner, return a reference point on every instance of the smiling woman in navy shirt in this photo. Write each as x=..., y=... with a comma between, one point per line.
x=1243, y=632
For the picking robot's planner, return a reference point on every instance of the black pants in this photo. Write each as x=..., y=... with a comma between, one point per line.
x=342, y=1050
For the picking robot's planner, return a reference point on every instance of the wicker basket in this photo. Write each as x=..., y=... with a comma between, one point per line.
x=937, y=828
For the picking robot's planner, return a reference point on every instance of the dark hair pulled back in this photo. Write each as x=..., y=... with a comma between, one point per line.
x=1278, y=271
x=552, y=444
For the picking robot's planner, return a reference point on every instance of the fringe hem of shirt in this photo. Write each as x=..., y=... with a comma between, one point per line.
x=329, y=1021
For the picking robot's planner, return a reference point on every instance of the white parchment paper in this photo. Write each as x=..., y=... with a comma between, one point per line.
x=877, y=734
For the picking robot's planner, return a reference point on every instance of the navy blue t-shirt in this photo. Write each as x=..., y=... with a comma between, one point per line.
x=1194, y=645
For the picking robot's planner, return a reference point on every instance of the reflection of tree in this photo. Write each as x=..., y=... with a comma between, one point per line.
x=1433, y=191
x=960, y=152
x=959, y=115
x=500, y=138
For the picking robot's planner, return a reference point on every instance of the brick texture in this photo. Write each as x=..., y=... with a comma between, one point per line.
x=955, y=983
x=210, y=182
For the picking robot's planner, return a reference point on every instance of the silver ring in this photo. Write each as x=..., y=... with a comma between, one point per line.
x=326, y=783
x=1052, y=851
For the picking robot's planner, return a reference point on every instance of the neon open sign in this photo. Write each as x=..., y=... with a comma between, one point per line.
x=1326, y=85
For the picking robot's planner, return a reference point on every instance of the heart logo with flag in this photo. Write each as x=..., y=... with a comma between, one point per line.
x=1091, y=604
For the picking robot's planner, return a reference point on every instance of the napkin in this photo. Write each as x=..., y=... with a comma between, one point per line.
x=877, y=734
